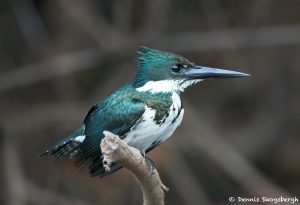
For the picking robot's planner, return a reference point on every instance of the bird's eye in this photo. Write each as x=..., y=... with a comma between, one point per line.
x=176, y=68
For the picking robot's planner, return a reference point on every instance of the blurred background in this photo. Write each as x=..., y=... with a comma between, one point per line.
x=239, y=137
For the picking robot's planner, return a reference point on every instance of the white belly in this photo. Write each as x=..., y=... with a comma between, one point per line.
x=147, y=132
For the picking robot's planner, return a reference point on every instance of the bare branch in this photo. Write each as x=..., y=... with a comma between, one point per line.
x=48, y=69
x=188, y=187
x=115, y=150
x=193, y=41
x=21, y=190
x=230, y=160
x=244, y=37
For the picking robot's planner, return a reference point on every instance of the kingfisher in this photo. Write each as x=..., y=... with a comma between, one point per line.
x=143, y=113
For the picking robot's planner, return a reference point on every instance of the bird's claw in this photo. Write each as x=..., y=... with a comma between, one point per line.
x=152, y=164
x=143, y=154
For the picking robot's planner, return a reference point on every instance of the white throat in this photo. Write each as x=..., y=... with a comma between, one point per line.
x=166, y=86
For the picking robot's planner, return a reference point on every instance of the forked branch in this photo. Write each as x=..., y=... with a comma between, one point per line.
x=115, y=150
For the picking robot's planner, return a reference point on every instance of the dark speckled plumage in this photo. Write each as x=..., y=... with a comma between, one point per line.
x=117, y=113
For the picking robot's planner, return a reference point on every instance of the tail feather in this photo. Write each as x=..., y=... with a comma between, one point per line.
x=97, y=169
x=68, y=147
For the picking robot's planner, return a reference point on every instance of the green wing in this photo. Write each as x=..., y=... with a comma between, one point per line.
x=117, y=114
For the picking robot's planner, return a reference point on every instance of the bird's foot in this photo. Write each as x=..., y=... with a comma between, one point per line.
x=151, y=162
x=143, y=153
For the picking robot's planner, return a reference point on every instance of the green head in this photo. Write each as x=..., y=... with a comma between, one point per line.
x=159, y=66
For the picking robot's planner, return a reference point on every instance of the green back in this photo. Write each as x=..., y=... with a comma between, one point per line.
x=118, y=113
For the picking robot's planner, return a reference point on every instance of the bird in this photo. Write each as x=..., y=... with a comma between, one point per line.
x=143, y=113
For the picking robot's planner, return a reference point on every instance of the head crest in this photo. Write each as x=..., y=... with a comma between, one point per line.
x=148, y=57
x=156, y=65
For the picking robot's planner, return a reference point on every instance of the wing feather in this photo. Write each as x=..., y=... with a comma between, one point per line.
x=117, y=114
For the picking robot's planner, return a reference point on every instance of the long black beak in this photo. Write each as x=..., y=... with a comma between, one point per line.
x=200, y=72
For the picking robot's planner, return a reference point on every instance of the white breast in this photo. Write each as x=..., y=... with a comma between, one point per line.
x=146, y=132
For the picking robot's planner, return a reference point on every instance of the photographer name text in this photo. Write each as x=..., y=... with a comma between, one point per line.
x=274, y=200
